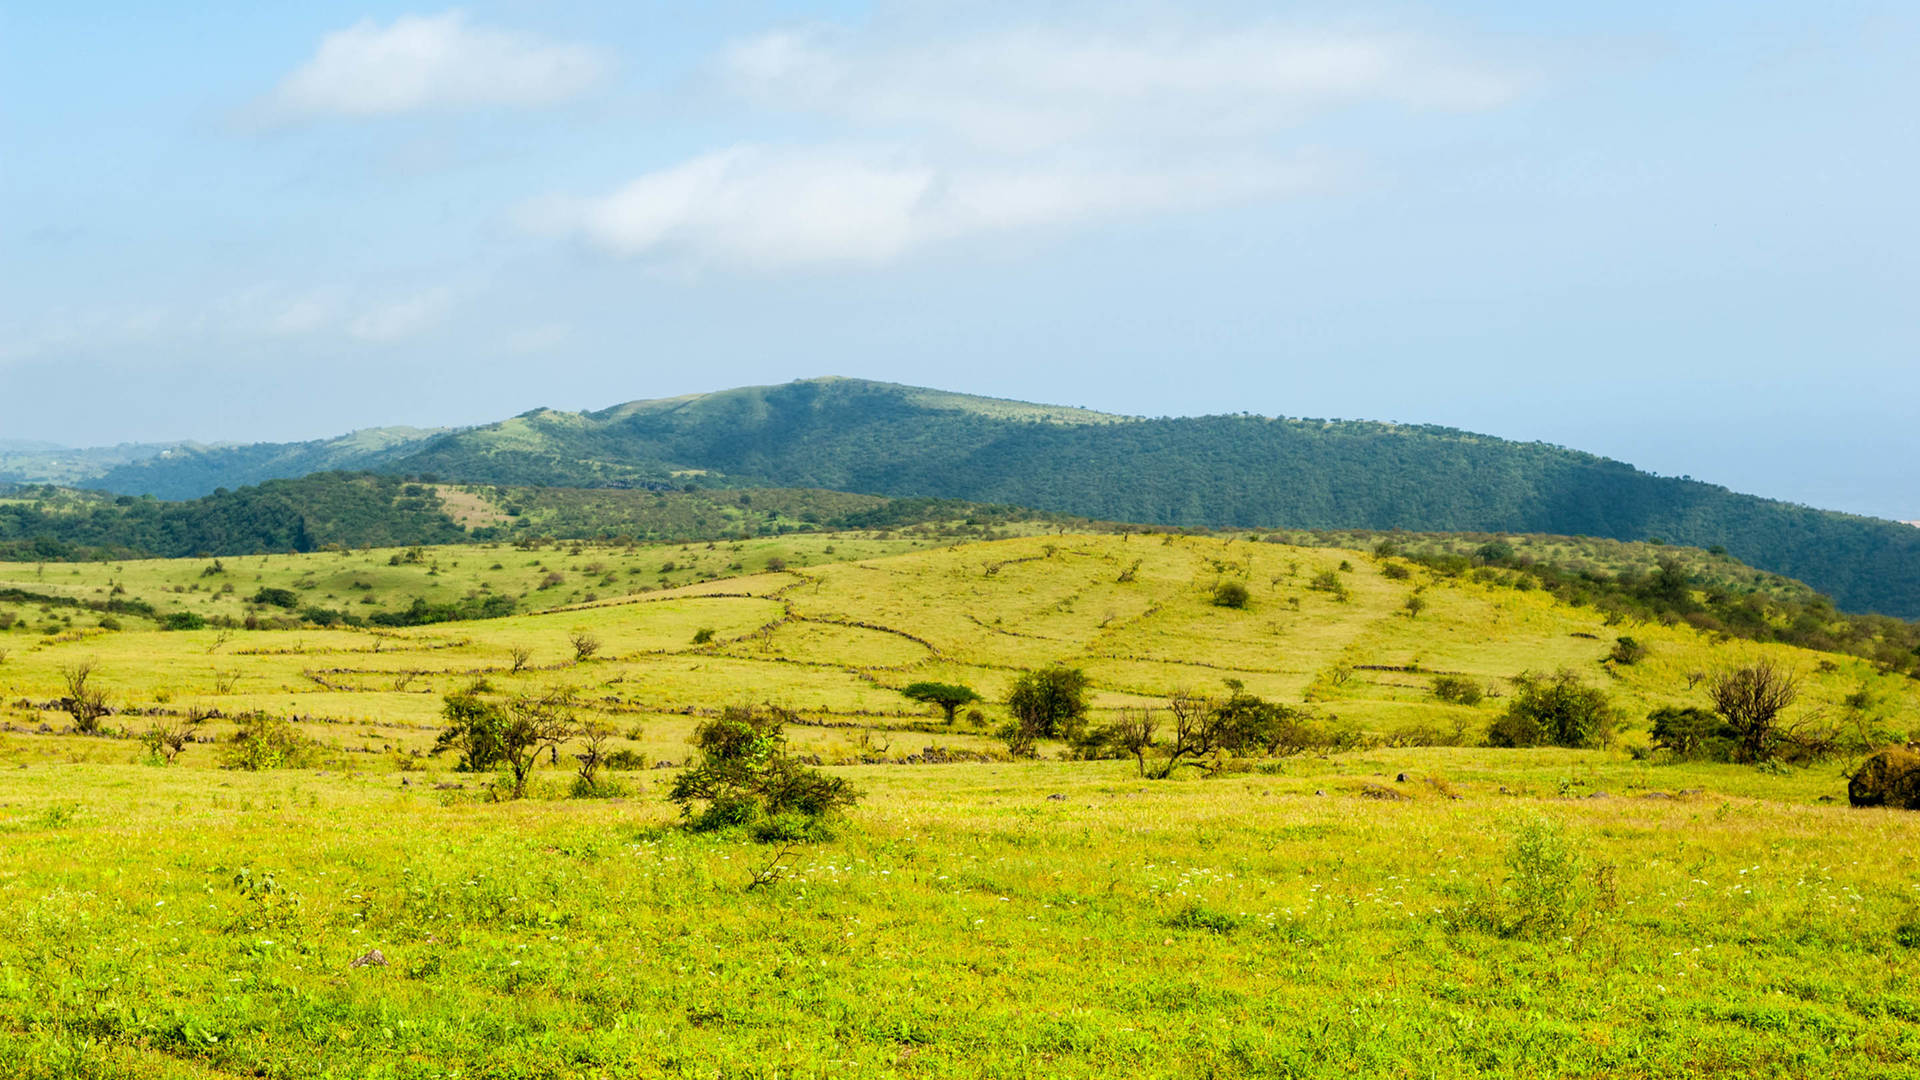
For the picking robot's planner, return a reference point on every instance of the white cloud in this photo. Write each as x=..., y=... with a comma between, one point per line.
x=405, y=318
x=433, y=61
x=767, y=208
x=932, y=141
x=1035, y=87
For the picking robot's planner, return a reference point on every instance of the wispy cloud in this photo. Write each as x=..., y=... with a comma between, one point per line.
x=770, y=208
x=419, y=62
x=929, y=142
x=262, y=312
x=403, y=318
x=1036, y=87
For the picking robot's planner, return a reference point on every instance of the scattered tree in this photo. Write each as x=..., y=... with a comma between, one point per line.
x=85, y=701
x=534, y=722
x=475, y=728
x=1553, y=710
x=1045, y=704
x=593, y=734
x=949, y=696
x=585, y=644
x=1415, y=605
x=520, y=656
x=745, y=777
x=1751, y=700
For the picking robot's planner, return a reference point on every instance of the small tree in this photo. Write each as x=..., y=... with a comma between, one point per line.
x=745, y=776
x=1751, y=700
x=167, y=736
x=1204, y=728
x=584, y=645
x=949, y=696
x=1553, y=710
x=1415, y=605
x=85, y=701
x=593, y=734
x=475, y=728
x=534, y=722
x=521, y=656
x=1049, y=703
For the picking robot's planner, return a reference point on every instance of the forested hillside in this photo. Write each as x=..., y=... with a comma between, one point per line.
x=1218, y=471
x=278, y=516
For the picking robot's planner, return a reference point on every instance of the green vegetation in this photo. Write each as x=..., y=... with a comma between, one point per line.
x=1218, y=471
x=1249, y=841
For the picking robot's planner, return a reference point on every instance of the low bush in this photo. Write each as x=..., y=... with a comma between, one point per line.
x=268, y=742
x=1456, y=690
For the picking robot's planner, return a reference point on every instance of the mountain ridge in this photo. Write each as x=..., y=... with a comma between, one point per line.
x=1222, y=471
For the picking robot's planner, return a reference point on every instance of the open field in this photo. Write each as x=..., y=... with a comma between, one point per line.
x=967, y=923
x=1495, y=913
x=850, y=620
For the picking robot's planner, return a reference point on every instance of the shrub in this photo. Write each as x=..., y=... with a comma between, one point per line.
x=1553, y=710
x=166, y=737
x=703, y=635
x=1692, y=733
x=1230, y=594
x=1545, y=874
x=183, y=620
x=268, y=742
x=280, y=598
x=744, y=776
x=1627, y=651
x=585, y=644
x=1395, y=572
x=625, y=760
x=1456, y=690
x=85, y=701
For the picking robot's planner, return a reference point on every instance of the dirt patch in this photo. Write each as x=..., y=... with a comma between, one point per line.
x=467, y=509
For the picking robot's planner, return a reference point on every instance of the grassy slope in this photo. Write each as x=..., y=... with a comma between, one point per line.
x=1002, y=920
x=839, y=630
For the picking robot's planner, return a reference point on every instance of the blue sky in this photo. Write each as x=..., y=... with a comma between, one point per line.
x=1682, y=238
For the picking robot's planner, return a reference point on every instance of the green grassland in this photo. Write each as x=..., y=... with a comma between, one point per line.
x=1494, y=913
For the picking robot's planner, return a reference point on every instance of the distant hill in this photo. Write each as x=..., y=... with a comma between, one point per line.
x=190, y=470
x=1216, y=471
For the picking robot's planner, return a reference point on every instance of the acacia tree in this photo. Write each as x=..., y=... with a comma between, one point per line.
x=534, y=722
x=949, y=696
x=1751, y=700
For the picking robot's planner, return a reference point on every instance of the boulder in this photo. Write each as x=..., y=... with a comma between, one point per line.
x=1888, y=778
